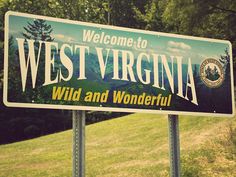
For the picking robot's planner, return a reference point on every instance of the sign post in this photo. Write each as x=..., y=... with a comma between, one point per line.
x=78, y=144
x=174, y=145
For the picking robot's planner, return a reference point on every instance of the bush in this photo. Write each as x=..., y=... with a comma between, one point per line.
x=32, y=131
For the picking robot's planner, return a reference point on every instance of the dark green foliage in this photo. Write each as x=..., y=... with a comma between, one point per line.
x=206, y=18
x=19, y=124
x=32, y=131
x=225, y=60
x=38, y=30
x=95, y=116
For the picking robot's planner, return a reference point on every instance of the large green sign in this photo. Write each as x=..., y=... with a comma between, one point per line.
x=63, y=64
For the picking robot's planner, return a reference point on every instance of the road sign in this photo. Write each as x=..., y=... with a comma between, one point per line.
x=62, y=64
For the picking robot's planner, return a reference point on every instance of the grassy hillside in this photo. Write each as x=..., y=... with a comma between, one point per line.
x=131, y=146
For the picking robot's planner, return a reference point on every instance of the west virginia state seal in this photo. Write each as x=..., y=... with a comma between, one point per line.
x=212, y=73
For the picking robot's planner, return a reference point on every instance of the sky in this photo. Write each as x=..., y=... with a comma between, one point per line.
x=197, y=49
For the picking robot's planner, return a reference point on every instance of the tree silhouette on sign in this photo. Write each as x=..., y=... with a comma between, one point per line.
x=39, y=30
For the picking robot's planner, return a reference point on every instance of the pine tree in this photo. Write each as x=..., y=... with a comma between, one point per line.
x=38, y=30
x=225, y=60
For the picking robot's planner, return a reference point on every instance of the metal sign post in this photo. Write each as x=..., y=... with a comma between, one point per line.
x=78, y=144
x=174, y=145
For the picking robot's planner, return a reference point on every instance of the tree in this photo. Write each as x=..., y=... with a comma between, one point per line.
x=38, y=30
x=205, y=18
x=149, y=14
x=225, y=60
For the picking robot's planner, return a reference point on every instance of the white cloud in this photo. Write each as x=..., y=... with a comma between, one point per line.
x=174, y=50
x=63, y=38
x=179, y=45
x=59, y=36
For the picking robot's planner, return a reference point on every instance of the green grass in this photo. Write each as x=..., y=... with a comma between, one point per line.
x=131, y=146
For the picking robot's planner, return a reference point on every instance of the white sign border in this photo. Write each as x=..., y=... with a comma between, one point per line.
x=74, y=107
